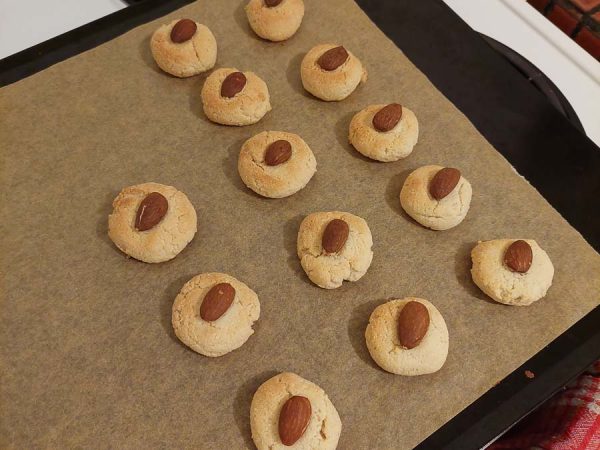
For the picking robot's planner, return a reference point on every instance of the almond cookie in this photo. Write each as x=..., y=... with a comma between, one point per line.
x=184, y=48
x=407, y=337
x=231, y=97
x=275, y=20
x=333, y=247
x=152, y=222
x=384, y=132
x=288, y=410
x=214, y=313
x=436, y=197
x=331, y=73
x=513, y=272
x=276, y=164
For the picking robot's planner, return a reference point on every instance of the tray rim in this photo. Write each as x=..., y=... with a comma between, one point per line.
x=488, y=417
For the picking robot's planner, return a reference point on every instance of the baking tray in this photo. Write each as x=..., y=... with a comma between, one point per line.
x=542, y=145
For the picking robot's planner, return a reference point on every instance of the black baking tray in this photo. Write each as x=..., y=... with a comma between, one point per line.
x=544, y=147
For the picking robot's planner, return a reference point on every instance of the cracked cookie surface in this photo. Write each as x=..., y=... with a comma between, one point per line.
x=391, y=145
x=494, y=278
x=247, y=106
x=163, y=241
x=330, y=270
x=332, y=85
x=324, y=427
x=228, y=332
x=185, y=59
x=384, y=346
x=443, y=214
x=281, y=180
x=275, y=23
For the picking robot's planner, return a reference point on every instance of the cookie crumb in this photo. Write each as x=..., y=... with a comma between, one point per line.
x=529, y=374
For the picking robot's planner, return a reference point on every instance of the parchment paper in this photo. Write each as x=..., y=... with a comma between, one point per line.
x=88, y=353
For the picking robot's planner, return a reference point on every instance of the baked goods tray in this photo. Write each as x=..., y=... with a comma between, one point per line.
x=61, y=387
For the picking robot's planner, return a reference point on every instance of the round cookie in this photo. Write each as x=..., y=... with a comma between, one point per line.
x=329, y=268
x=416, y=199
x=277, y=22
x=261, y=170
x=335, y=84
x=494, y=277
x=391, y=145
x=324, y=425
x=223, y=334
x=245, y=107
x=165, y=239
x=194, y=55
x=384, y=345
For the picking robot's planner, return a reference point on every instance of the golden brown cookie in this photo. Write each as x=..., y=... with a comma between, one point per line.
x=317, y=428
x=331, y=73
x=206, y=325
x=231, y=97
x=441, y=213
x=184, y=48
x=152, y=222
x=276, y=164
x=493, y=274
x=275, y=20
x=389, y=140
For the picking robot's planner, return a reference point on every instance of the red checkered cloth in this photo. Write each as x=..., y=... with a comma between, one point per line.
x=568, y=421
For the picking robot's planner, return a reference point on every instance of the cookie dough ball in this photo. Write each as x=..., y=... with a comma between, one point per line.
x=214, y=313
x=333, y=247
x=276, y=164
x=275, y=20
x=184, y=48
x=384, y=132
x=331, y=73
x=152, y=222
x=315, y=424
x=436, y=197
x=407, y=337
x=231, y=97
x=513, y=272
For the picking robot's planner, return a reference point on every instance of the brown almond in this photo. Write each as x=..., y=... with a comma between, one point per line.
x=232, y=84
x=151, y=211
x=335, y=236
x=272, y=3
x=278, y=153
x=413, y=323
x=387, y=117
x=183, y=31
x=293, y=419
x=519, y=256
x=217, y=301
x=444, y=182
x=333, y=58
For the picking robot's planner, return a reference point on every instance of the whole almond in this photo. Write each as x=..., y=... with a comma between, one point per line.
x=518, y=256
x=413, y=323
x=217, y=301
x=151, y=211
x=335, y=236
x=278, y=153
x=333, y=58
x=272, y=3
x=232, y=84
x=444, y=182
x=183, y=31
x=293, y=419
x=387, y=117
